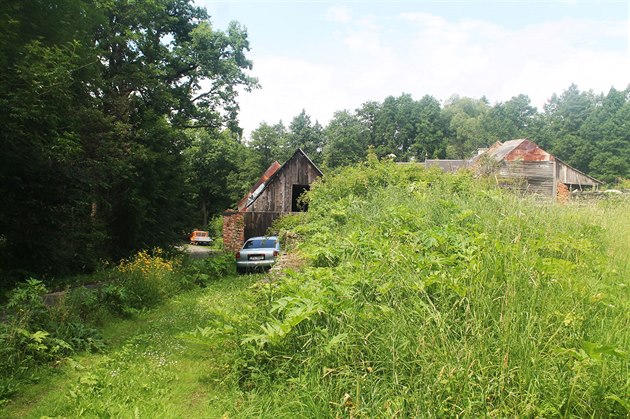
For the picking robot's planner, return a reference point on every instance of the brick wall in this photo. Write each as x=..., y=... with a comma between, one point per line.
x=563, y=194
x=233, y=231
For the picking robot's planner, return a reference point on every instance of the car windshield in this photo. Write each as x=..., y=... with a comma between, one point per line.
x=260, y=244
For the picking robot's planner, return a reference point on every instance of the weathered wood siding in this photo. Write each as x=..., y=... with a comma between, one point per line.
x=277, y=196
x=257, y=223
x=570, y=176
x=528, y=176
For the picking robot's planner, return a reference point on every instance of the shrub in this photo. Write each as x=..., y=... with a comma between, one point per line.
x=286, y=228
x=26, y=338
x=212, y=268
x=80, y=305
x=147, y=279
x=215, y=226
x=25, y=307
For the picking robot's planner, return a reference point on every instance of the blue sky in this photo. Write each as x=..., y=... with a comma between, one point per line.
x=327, y=56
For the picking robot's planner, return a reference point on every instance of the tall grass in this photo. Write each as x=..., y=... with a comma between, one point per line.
x=430, y=295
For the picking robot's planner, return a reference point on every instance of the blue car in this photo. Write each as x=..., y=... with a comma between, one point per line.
x=258, y=253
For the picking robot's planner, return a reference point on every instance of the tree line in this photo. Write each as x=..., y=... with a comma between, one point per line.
x=589, y=131
x=586, y=130
x=120, y=129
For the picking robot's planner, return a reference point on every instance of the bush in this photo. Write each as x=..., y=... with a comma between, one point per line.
x=80, y=305
x=33, y=335
x=215, y=226
x=25, y=307
x=147, y=279
x=285, y=228
x=212, y=268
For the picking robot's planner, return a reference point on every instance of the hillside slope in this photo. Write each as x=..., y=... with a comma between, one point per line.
x=428, y=295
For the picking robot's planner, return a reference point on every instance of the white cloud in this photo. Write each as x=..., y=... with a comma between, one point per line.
x=288, y=86
x=478, y=58
x=339, y=14
x=439, y=57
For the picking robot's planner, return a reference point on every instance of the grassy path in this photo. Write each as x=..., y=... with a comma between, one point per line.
x=148, y=370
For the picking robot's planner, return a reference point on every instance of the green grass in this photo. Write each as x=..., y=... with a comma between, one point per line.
x=148, y=369
x=429, y=295
x=424, y=295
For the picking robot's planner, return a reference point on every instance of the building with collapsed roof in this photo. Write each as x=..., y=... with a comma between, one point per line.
x=524, y=166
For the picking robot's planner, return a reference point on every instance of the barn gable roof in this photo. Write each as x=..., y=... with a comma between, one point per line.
x=528, y=151
x=521, y=149
x=260, y=187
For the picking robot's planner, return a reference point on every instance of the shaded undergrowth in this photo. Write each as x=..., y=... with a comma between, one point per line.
x=36, y=337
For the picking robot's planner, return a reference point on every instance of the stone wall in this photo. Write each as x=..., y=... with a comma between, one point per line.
x=233, y=231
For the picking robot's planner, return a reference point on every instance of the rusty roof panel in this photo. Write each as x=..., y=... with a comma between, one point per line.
x=519, y=150
x=271, y=170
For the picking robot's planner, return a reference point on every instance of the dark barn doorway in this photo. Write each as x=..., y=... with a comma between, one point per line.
x=296, y=204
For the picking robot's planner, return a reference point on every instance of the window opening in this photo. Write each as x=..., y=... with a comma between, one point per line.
x=296, y=204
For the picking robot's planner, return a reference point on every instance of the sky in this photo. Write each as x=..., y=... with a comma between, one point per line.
x=328, y=56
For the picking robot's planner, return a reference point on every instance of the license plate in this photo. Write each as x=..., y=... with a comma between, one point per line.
x=257, y=257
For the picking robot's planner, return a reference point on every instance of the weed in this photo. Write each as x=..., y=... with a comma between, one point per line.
x=144, y=280
x=429, y=294
x=29, y=337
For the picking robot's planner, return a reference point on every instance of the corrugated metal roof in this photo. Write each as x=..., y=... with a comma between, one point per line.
x=258, y=186
x=518, y=150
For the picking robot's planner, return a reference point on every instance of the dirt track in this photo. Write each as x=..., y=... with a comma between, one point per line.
x=198, y=252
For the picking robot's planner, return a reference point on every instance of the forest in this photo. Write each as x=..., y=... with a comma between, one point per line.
x=121, y=132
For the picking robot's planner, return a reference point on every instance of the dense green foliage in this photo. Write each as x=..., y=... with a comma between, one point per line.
x=96, y=96
x=148, y=368
x=423, y=294
x=120, y=130
x=588, y=131
x=427, y=294
x=33, y=335
x=220, y=171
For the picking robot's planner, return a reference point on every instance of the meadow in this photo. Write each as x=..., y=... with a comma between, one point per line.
x=418, y=294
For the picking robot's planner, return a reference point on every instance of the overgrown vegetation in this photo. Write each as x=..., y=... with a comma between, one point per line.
x=430, y=295
x=35, y=335
x=148, y=368
x=120, y=130
x=423, y=294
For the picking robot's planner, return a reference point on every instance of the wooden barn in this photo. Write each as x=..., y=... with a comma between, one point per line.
x=523, y=165
x=276, y=193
